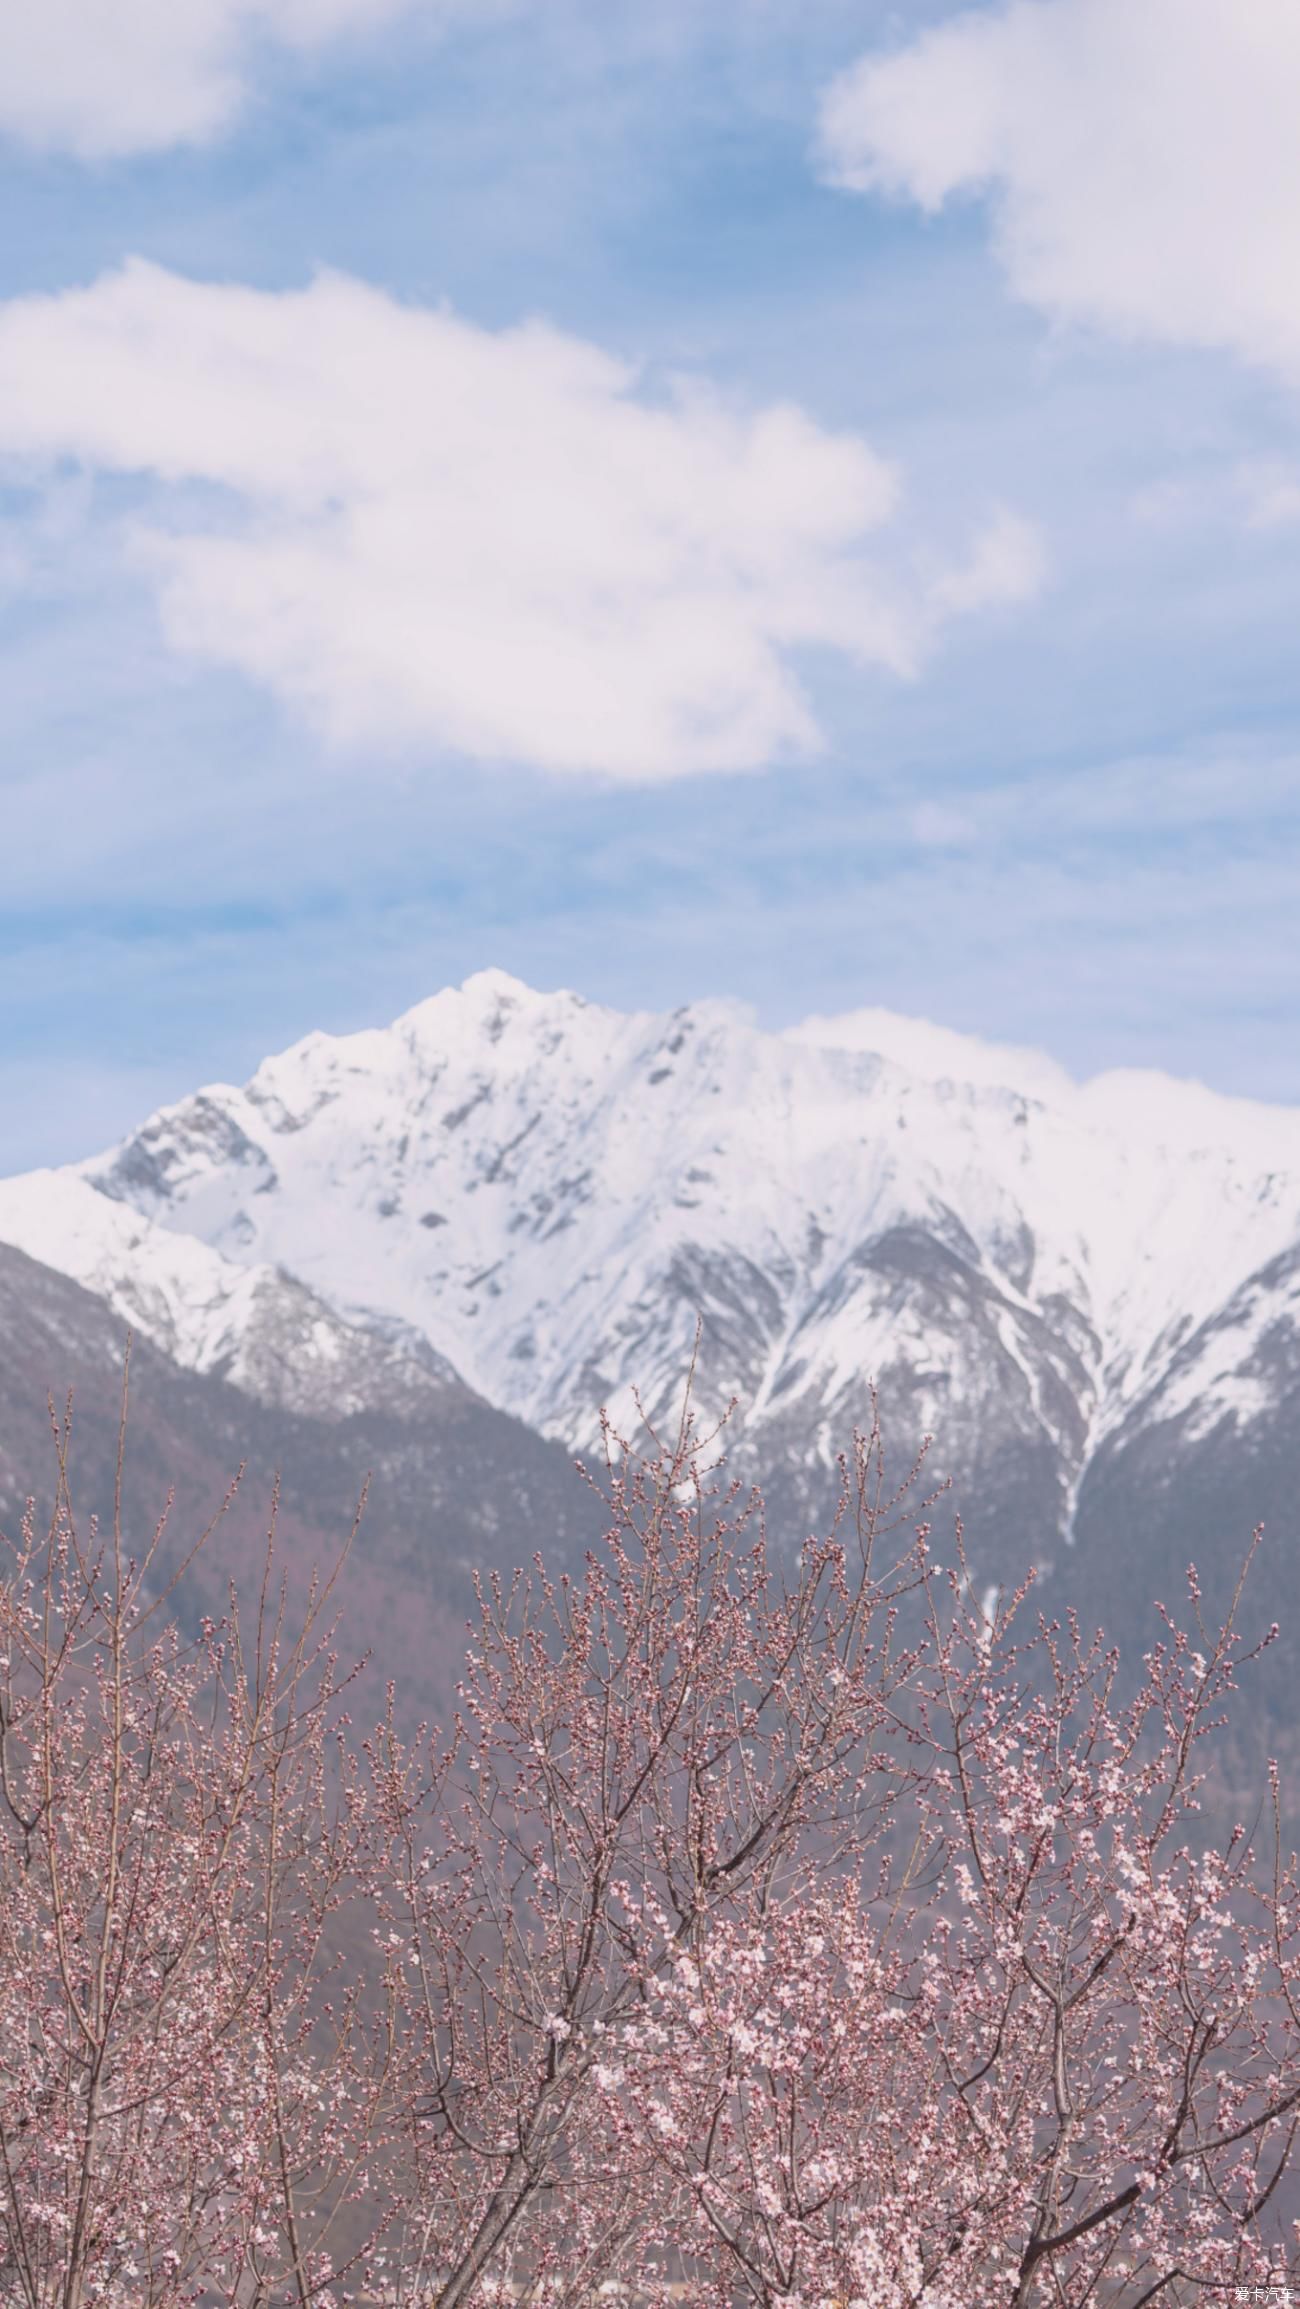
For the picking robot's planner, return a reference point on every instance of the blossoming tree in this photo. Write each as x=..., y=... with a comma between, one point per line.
x=768, y=1924
x=181, y=2111
x=814, y=1940
x=1051, y=2054
x=647, y=1756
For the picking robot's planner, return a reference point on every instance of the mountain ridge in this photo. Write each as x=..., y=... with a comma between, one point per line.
x=450, y=1483
x=540, y=1197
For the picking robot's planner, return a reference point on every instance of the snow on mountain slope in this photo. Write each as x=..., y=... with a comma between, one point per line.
x=549, y=1192
x=1169, y=1194
x=519, y=1202
x=552, y=1191
x=257, y=1328
x=542, y=1195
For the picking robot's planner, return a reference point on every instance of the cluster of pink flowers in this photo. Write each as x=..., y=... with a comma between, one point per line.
x=764, y=1929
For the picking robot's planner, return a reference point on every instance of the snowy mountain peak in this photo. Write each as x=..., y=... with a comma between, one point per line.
x=546, y=1193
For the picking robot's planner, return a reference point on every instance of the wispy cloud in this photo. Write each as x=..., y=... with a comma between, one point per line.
x=419, y=531
x=102, y=82
x=1141, y=157
x=1139, y=912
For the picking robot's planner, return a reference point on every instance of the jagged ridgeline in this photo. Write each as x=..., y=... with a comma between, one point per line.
x=509, y=1208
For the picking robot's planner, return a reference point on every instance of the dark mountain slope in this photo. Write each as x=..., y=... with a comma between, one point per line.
x=454, y=1484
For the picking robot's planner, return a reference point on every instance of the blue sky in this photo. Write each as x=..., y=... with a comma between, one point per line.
x=873, y=577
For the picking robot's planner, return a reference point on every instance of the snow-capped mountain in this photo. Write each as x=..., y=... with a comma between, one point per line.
x=542, y=1196
x=252, y=1325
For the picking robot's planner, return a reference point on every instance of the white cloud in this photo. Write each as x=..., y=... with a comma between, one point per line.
x=1007, y=564
x=418, y=530
x=102, y=80
x=1142, y=157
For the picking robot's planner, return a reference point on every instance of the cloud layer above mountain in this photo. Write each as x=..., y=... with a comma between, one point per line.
x=416, y=531
x=1141, y=156
x=104, y=82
